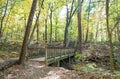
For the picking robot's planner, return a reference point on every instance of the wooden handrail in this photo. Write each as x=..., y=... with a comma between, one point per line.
x=51, y=52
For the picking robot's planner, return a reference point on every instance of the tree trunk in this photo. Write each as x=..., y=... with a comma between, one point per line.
x=97, y=31
x=1, y=27
x=46, y=29
x=87, y=32
x=69, y=16
x=27, y=33
x=66, y=35
x=56, y=29
x=66, y=28
x=86, y=37
x=10, y=11
x=79, y=26
x=37, y=32
x=36, y=26
x=118, y=33
x=118, y=28
x=110, y=37
x=51, y=12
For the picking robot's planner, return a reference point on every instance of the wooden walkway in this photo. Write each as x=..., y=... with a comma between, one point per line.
x=49, y=55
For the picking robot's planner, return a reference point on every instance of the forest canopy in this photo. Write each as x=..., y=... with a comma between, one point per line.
x=14, y=15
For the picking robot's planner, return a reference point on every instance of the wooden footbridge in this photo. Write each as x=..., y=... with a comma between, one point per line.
x=49, y=55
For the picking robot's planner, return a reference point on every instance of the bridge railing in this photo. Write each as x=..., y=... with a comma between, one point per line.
x=33, y=52
x=57, y=53
x=51, y=54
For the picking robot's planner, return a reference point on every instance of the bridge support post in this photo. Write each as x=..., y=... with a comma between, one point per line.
x=69, y=59
x=46, y=55
x=58, y=63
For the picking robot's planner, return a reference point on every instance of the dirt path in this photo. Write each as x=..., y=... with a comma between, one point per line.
x=36, y=70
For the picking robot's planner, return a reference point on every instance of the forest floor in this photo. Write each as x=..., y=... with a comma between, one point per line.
x=36, y=70
x=94, y=64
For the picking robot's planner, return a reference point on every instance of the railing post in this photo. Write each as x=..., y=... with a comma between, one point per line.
x=54, y=54
x=69, y=55
x=64, y=52
x=60, y=53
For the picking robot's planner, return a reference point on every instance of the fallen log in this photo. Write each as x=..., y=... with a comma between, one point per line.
x=8, y=63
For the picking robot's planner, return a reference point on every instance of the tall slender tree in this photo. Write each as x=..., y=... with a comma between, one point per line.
x=36, y=23
x=87, y=32
x=109, y=36
x=46, y=29
x=56, y=23
x=79, y=26
x=51, y=21
x=27, y=32
x=2, y=19
x=69, y=16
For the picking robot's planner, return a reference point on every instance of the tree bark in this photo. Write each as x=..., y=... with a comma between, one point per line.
x=7, y=18
x=110, y=37
x=1, y=27
x=56, y=28
x=46, y=29
x=27, y=33
x=97, y=31
x=37, y=32
x=51, y=13
x=87, y=32
x=79, y=26
x=36, y=25
x=69, y=16
x=118, y=33
x=38, y=20
x=66, y=28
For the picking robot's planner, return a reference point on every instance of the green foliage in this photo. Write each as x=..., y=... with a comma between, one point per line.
x=78, y=67
x=115, y=48
x=117, y=61
x=16, y=17
x=14, y=54
x=80, y=57
x=77, y=56
x=6, y=55
x=91, y=65
x=117, y=73
x=3, y=55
